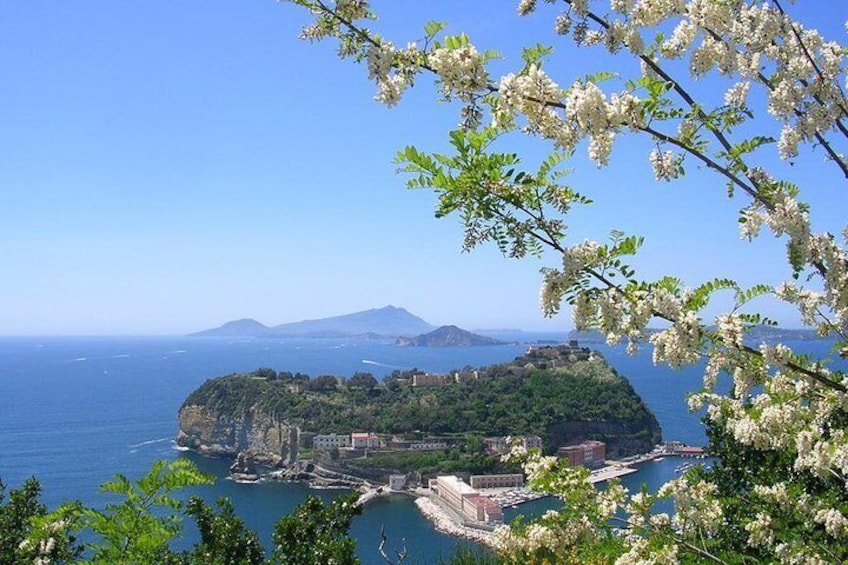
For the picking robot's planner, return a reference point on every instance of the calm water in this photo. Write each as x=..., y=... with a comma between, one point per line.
x=74, y=411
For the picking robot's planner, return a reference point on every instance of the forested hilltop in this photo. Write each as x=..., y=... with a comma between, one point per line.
x=561, y=394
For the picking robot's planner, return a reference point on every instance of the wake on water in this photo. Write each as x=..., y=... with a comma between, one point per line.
x=378, y=364
x=149, y=442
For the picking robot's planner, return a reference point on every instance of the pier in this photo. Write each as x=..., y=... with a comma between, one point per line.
x=610, y=472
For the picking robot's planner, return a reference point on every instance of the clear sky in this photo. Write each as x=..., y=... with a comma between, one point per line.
x=168, y=166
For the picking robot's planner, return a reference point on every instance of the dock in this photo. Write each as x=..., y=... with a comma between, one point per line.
x=610, y=472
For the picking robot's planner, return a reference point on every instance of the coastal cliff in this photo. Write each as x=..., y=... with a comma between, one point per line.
x=213, y=432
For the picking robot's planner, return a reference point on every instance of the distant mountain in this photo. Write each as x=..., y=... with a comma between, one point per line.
x=237, y=328
x=448, y=336
x=388, y=321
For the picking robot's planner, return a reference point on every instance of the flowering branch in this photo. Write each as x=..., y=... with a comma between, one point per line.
x=783, y=424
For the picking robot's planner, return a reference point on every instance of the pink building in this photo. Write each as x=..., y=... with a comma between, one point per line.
x=590, y=453
x=362, y=440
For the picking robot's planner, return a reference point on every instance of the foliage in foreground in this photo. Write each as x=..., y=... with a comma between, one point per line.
x=780, y=491
x=140, y=528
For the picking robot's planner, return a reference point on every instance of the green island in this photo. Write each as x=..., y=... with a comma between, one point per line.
x=416, y=422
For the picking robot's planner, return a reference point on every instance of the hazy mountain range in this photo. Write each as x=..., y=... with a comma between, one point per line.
x=386, y=322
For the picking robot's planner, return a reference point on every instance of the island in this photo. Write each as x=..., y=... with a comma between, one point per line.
x=417, y=421
x=448, y=336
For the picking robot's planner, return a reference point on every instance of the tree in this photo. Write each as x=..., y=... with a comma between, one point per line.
x=265, y=373
x=140, y=528
x=224, y=539
x=323, y=528
x=779, y=492
x=324, y=383
x=31, y=534
x=364, y=380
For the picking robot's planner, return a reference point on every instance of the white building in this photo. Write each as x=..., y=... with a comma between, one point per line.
x=503, y=444
x=329, y=441
x=462, y=498
x=428, y=445
x=497, y=481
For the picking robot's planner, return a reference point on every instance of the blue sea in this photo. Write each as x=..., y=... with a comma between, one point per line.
x=74, y=411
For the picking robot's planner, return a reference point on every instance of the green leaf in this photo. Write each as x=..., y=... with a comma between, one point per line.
x=433, y=27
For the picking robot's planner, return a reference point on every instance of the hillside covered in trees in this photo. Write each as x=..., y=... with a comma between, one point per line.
x=561, y=394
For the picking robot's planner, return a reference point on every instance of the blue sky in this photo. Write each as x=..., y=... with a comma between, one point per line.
x=169, y=166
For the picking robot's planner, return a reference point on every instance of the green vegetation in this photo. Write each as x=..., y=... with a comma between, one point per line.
x=559, y=396
x=141, y=527
x=432, y=462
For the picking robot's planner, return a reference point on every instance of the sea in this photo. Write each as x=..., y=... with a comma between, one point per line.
x=74, y=411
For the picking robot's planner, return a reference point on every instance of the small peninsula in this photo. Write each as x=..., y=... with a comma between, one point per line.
x=417, y=422
x=448, y=336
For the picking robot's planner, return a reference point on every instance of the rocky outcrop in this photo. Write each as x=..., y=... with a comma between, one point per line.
x=243, y=469
x=253, y=432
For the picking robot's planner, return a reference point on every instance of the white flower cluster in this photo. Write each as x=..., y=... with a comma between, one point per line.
x=787, y=145
x=587, y=113
x=556, y=282
x=679, y=344
x=730, y=329
x=737, y=94
x=586, y=105
x=649, y=13
x=534, y=95
x=666, y=165
x=760, y=532
x=696, y=505
x=610, y=500
x=352, y=10
x=538, y=465
x=825, y=251
x=526, y=6
x=834, y=521
x=680, y=41
x=641, y=553
x=809, y=303
x=802, y=74
x=460, y=70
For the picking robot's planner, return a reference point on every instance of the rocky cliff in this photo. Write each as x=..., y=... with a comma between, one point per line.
x=210, y=431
